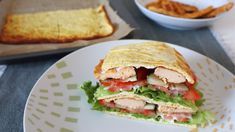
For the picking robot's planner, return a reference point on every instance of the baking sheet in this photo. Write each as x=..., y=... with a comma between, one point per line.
x=11, y=51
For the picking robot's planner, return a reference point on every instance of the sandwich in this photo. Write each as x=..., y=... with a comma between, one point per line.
x=149, y=81
x=57, y=26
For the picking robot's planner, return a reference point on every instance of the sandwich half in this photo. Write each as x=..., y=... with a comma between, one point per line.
x=148, y=81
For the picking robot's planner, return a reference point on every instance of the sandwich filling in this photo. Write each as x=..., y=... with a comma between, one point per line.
x=147, y=104
x=160, y=78
x=139, y=106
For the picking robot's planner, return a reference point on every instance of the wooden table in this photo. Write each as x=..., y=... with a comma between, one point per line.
x=19, y=78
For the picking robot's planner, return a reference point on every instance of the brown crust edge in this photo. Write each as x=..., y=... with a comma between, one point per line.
x=19, y=40
x=187, y=69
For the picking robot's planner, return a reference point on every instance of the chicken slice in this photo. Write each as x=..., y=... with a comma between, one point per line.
x=128, y=103
x=115, y=73
x=174, y=109
x=169, y=75
x=119, y=73
x=178, y=89
x=154, y=80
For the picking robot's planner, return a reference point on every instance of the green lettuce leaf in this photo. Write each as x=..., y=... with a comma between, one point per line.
x=202, y=118
x=200, y=101
x=136, y=115
x=90, y=90
x=101, y=92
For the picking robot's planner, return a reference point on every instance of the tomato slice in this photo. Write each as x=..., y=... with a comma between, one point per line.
x=124, y=110
x=182, y=119
x=148, y=112
x=192, y=95
x=106, y=83
x=124, y=84
x=144, y=112
x=101, y=102
x=110, y=104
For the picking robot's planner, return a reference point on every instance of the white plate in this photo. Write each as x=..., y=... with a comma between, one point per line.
x=57, y=104
x=182, y=23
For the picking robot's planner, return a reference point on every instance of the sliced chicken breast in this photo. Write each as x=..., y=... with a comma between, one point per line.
x=169, y=75
x=116, y=73
x=154, y=80
x=128, y=103
x=178, y=89
x=119, y=73
x=174, y=109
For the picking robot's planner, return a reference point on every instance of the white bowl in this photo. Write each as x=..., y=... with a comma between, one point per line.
x=182, y=23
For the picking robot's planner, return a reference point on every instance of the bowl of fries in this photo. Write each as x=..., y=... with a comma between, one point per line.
x=184, y=14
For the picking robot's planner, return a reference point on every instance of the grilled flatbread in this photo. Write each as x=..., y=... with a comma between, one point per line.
x=57, y=26
x=148, y=55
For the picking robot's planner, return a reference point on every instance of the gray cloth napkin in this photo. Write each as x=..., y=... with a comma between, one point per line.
x=2, y=69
